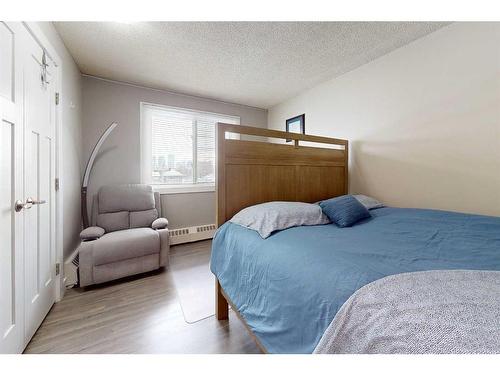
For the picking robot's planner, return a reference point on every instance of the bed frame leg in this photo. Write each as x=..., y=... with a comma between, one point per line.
x=221, y=305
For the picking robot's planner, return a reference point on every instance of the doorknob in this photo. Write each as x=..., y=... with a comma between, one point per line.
x=30, y=202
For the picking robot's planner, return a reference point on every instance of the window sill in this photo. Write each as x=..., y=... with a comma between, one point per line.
x=183, y=189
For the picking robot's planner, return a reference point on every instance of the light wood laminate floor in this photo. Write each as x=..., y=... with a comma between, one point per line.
x=137, y=315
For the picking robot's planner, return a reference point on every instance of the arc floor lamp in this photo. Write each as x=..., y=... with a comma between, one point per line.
x=88, y=169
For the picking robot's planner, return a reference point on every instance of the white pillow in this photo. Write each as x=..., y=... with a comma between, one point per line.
x=268, y=217
x=369, y=202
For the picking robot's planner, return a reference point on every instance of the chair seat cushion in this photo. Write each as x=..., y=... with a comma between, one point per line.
x=126, y=244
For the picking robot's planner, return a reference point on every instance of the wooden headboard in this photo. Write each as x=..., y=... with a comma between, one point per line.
x=252, y=172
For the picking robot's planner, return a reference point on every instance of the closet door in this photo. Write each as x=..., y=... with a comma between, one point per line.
x=27, y=186
x=39, y=84
x=11, y=189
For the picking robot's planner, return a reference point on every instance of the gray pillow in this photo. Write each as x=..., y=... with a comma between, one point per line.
x=268, y=217
x=369, y=202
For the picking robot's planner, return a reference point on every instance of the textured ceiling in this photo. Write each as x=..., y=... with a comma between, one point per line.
x=253, y=63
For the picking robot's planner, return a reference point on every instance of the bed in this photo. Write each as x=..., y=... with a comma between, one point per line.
x=288, y=288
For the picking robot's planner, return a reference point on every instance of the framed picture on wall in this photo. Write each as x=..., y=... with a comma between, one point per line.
x=296, y=124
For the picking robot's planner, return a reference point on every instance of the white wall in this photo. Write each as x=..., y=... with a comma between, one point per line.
x=423, y=121
x=119, y=160
x=71, y=102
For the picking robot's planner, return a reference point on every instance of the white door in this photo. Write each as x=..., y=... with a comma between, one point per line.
x=39, y=190
x=27, y=189
x=11, y=189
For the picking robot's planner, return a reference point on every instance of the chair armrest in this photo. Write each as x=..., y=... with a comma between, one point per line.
x=160, y=223
x=91, y=233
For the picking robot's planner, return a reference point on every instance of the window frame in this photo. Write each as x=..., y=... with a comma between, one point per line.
x=146, y=150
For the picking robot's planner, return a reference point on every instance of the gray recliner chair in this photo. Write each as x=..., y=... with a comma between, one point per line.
x=128, y=235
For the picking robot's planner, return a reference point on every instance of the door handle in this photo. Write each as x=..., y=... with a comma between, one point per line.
x=18, y=205
x=30, y=202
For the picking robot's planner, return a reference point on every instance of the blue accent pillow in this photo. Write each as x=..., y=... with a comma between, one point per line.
x=344, y=210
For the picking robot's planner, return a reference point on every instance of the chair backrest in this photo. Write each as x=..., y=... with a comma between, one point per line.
x=119, y=207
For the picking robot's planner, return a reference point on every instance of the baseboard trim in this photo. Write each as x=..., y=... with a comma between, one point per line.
x=191, y=234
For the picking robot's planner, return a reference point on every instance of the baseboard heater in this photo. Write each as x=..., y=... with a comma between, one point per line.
x=191, y=234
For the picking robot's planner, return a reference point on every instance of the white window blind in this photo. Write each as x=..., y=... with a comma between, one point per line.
x=179, y=145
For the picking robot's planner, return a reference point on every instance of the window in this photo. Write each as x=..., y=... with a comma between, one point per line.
x=178, y=147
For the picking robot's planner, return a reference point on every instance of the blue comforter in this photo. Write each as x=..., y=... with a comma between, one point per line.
x=289, y=286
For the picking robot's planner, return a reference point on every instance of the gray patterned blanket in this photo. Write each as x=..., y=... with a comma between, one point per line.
x=429, y=312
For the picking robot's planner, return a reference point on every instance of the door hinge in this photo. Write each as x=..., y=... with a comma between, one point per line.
x=58, y=268
x=57, y=98
x=57, y=184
